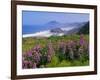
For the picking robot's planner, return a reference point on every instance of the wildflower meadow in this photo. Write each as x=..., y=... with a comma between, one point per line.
x=55, y=51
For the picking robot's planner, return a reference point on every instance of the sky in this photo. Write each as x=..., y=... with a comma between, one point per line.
x=42, y=18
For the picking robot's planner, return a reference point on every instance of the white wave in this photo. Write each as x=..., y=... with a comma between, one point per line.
x=39, y=34
x=46, y=33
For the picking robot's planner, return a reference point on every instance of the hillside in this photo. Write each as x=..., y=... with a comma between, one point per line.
x=84, y=29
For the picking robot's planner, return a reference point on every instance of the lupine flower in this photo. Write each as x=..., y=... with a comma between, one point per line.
x=71, y=53
x=37, y=48
x=50, y=49
x=48, y=58
x=80, y=51
x=34, y=65
x=29, y=53
x=62, y=47
x=82, y=41
x=36, y=57
x=24, y=64
x=69, y=44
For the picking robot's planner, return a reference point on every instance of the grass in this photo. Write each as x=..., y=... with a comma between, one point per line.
x=29, y=43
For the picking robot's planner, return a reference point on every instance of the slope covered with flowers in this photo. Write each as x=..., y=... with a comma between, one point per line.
x=55, y=51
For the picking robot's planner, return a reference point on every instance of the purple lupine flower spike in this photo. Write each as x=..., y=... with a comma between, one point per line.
x=82, y=41
x=34, y=65
x=29, y=53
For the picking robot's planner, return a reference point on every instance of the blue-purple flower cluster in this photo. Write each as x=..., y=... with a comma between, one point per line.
x=74, y=49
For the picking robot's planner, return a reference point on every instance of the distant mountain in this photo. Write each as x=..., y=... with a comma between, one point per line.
x=84, y=29
x=53, y=23
x=74, y=28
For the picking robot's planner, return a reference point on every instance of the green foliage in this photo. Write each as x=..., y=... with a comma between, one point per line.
x=54, y=62
x=61, y=56
x=28, y=43
x=80, y=63
x=64, y=63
